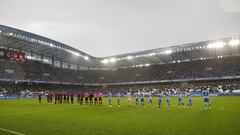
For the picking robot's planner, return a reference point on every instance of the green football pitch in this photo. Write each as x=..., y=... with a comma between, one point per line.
x=27, y=117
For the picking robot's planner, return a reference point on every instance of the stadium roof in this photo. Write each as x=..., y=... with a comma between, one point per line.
x=29, y=42
x=219, y=48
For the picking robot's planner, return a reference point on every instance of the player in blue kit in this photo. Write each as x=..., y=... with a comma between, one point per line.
x=168, y=96
x=109, y=98
x=189, y=95
x=205, y=94
x=180, y=100
x=150, y=98
x=118, y=99
x=160, y=100
x=137, y=96
x=142, y=99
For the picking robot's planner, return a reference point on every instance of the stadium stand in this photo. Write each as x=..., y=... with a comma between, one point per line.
x=33, y=70
x=52, y=66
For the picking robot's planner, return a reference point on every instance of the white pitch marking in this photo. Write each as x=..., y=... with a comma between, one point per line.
x=10, y=131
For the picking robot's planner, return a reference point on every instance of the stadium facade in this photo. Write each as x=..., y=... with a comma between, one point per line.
x=21, y=46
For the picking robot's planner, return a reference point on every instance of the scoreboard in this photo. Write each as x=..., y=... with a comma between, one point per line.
x=12, y=55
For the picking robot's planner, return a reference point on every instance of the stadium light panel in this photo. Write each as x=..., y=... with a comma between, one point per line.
x=77, y=54
x=86, y=58
x=151, y=54
x=129, y=57
x=113, y=60
x=147, y=65
x=167, y=52
x=218, y=44
x=234, y=42
x=51, y=45
x=104, y=61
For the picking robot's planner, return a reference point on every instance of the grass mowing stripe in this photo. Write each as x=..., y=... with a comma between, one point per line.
x=10, y=131
x=52, y=110
x=74, y=119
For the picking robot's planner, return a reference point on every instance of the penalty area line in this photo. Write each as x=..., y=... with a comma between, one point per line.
x=10, y=131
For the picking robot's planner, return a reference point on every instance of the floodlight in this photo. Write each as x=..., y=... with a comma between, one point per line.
x=234, y=42
x=75, y=53
x=129, y=57
x=167, y=52
x=86, y=58
x=152, y=54
x=218, y=44
x=113, y=59
x=105, y=61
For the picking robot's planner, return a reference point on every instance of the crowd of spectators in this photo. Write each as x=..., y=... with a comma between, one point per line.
x=33, y=70
x=227, y=86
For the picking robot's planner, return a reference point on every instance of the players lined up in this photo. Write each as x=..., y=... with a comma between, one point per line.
x=140, y=97
x=82, y=98
x=96, y=98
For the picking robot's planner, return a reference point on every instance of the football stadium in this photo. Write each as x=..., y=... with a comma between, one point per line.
x=51, y=88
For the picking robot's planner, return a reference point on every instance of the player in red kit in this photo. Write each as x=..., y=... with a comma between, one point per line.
x=81, y=98
x=86, y=95
x=48, y=98
x=95, y=98
x=64, y=98
x=72, y=98
x=56, y=97
x=51, y=97
x=60, y=96
x=100, y=98
x=78, y=98
x=68, y=98
x=91, y=99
